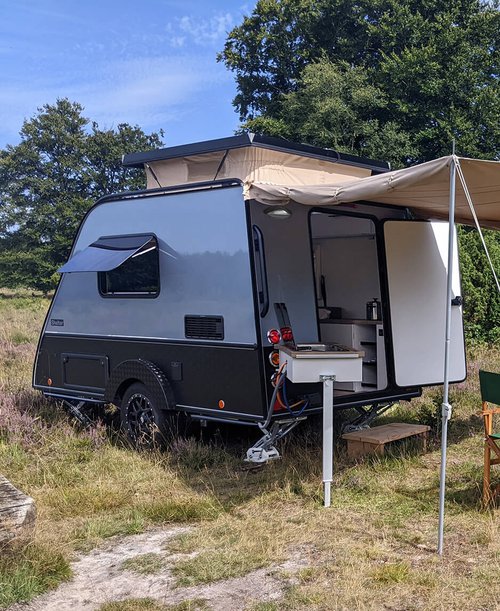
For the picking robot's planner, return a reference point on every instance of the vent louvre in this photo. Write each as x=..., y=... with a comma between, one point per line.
x=204, y=327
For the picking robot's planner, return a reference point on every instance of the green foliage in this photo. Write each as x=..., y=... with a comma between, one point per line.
x=482, y=301
x=336, y=106
x=411, y=76
x=49, y=180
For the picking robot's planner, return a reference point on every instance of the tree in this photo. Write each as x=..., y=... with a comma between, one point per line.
x=103, y=158
x=49, y=180
x=433, y=65
x=336, y=106
x=482, y=302
x=391, y=79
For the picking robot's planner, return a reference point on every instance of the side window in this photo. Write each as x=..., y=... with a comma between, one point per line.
x=138, y=276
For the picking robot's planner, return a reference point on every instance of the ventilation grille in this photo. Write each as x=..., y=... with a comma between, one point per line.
x=204, y=327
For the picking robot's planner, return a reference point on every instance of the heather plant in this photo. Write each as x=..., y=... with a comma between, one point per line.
x=27, y=420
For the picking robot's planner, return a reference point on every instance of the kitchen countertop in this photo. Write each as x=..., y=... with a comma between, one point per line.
x=349, y=321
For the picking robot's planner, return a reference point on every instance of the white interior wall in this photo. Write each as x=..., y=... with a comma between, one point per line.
x=349, y=263
x=289, y=266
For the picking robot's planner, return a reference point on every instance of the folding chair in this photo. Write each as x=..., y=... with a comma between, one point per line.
x=490, y=393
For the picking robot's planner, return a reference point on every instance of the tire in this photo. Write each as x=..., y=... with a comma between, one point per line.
x=144, y=422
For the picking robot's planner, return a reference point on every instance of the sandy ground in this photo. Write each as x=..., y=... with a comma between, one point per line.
x=100, y=578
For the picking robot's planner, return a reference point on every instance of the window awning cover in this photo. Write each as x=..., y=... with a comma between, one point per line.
x=423, y=188
x=106, y=253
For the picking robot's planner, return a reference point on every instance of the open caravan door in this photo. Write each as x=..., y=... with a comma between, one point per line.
x=417, y=253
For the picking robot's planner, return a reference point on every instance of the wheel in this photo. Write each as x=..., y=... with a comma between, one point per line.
x=145, y=423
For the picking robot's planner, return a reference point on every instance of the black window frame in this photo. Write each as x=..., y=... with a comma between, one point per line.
x=101, y=276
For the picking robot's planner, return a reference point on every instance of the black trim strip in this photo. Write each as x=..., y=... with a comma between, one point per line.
x=96, y=397
x=137, y=160
x=223, y=420
x=259, y=253
x=222, y=413
x=182, y=188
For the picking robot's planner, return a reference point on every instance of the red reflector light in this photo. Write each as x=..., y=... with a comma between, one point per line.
x=287, y=334
x=273, y=336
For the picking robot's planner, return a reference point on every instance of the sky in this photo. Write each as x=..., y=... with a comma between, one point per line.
x=150, y=63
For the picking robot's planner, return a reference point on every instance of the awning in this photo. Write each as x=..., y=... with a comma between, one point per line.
x=423, y=188
x=108, y=253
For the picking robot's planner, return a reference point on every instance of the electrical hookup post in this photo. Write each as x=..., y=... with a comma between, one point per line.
x=328, y=381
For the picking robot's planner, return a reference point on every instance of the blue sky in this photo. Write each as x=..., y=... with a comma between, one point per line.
x=150, y=63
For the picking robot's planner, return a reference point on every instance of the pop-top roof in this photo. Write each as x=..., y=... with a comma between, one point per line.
x=137, y=160
x=250, y=158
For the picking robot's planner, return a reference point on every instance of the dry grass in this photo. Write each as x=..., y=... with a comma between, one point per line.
x=144, y=564
x=148, y=604
x=375, y=548
x=133, y=604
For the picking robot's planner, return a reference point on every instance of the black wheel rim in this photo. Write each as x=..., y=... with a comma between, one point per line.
x=140, y=419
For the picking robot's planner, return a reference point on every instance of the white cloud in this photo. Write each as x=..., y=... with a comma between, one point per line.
x=151, y=92
x=177, y=41
x=203, y=32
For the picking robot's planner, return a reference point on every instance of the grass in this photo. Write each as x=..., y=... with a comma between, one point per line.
x=392, y=572
x=30, y=571
x=148, y=604
x=374, y=548
x=133, y=604
x=144, y=564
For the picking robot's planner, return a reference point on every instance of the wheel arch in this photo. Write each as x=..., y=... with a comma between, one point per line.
x=139, y=370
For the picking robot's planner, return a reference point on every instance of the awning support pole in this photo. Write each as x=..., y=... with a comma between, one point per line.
x=446, y=407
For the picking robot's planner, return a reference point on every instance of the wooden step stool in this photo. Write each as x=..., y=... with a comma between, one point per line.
x=372, y=441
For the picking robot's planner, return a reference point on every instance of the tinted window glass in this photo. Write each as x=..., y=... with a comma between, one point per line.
x=139, y=275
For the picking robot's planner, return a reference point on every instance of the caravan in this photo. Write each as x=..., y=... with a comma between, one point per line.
x=202, y=295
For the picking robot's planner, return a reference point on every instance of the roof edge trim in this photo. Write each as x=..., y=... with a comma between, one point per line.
x=137, y=160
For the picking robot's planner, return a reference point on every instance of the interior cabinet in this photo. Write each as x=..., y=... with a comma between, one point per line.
x=366, y=335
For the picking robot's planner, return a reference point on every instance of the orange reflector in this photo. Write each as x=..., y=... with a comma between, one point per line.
x=222, y=405
x=274, y=358
x=49, y=381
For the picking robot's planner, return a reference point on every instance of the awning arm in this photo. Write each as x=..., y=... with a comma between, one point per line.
x=476, y=221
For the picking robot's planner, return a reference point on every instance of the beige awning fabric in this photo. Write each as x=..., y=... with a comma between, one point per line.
x=251, y=164
x=423, y=188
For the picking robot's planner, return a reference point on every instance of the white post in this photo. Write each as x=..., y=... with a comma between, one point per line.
x=327, y=436
x=446, y=407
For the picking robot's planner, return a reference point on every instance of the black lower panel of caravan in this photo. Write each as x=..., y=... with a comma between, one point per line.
x=201, y=375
